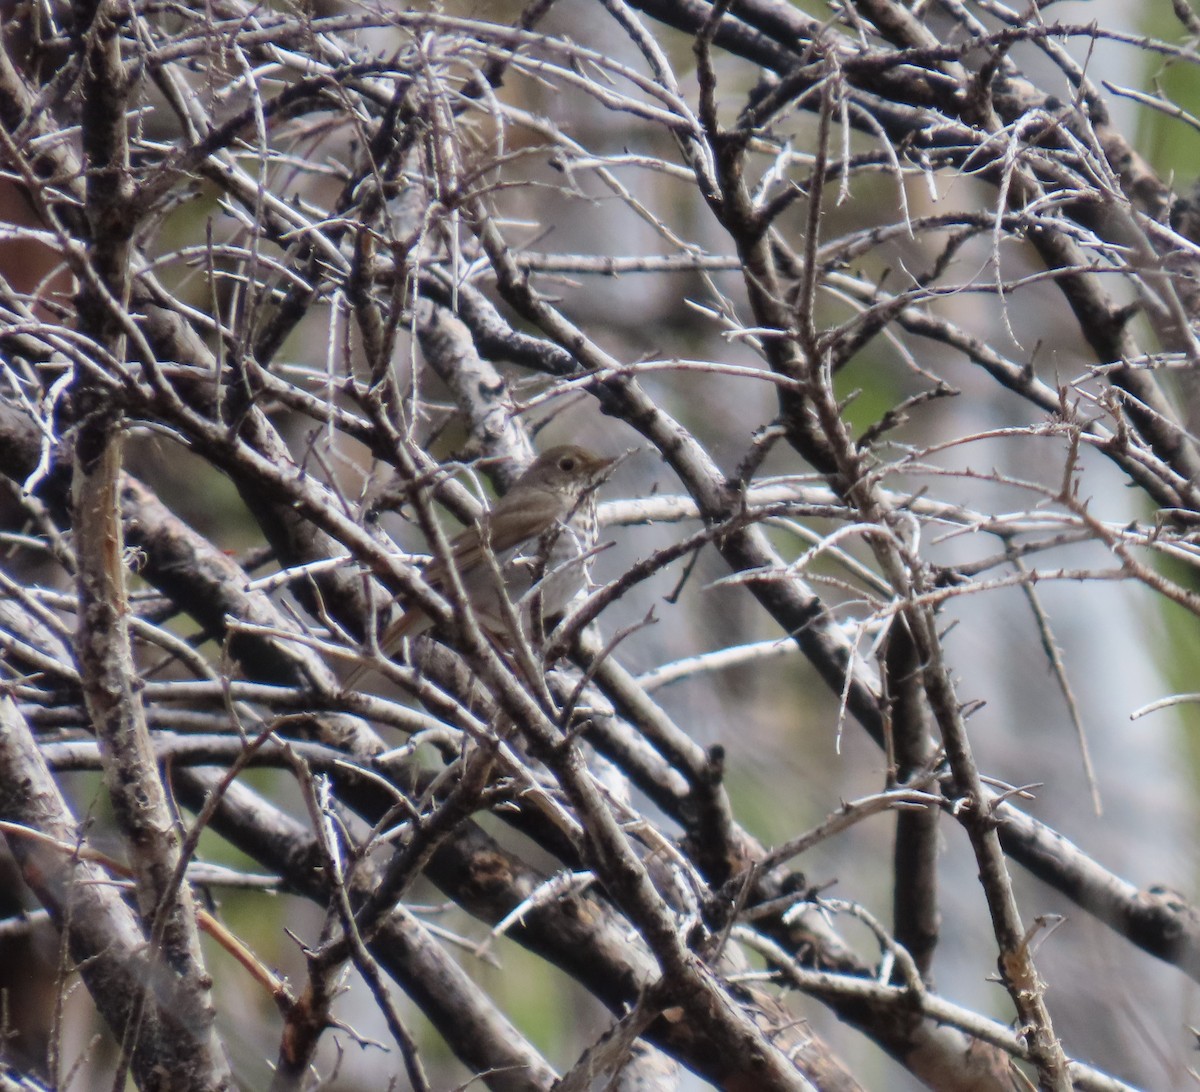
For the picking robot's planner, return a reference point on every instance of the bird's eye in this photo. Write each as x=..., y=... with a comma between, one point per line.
x=567, y=463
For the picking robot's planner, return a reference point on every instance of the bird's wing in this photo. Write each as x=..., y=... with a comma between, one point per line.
x=512, y=522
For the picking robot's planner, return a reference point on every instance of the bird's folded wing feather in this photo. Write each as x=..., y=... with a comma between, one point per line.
x=504, y=528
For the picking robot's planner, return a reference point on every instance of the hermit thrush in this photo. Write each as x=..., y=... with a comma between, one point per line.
x=539, y=534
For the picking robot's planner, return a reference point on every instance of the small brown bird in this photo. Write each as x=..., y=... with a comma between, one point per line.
x=550, y=506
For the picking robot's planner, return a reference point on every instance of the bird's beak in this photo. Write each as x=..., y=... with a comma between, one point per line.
x=607, y=466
